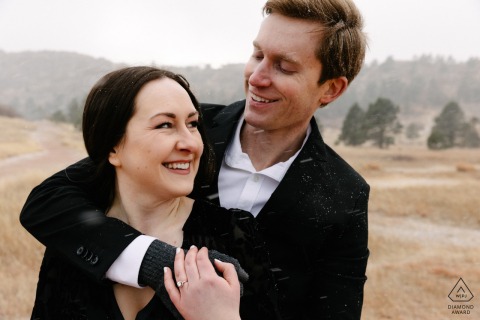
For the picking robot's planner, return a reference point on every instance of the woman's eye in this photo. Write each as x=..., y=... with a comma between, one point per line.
x=193, y=124
x=163, y=125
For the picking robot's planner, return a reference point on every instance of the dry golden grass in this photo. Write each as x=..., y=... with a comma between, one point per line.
x=23, y=169
x=71, y=137
x=424, y=221
x=20, y=253
x=15, y=138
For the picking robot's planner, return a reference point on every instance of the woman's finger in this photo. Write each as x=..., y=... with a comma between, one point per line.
x=191, y=264
x=171, y=286
x=179, y=266
x=205, y=267
x=229, y=273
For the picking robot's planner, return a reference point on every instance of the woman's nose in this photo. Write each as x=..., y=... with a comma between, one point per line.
x=187, y=141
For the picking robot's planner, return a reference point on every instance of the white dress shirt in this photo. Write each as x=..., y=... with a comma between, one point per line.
x=240, y=186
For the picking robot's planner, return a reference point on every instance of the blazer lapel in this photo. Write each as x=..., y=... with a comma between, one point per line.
x=300, y=177
x=220, y=130
x=223, y=128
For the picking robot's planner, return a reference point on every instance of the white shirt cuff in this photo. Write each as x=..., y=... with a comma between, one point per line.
x=127, y=266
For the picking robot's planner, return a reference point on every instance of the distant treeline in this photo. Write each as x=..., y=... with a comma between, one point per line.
x=380, y=126
x=49, y=84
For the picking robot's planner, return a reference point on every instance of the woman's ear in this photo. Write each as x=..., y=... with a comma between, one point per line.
x=113, y=157
x=335, y=88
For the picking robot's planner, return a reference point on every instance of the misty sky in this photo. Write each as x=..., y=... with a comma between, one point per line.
x=216, y=32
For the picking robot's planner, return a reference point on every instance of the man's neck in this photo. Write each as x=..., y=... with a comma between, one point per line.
x=267, y=148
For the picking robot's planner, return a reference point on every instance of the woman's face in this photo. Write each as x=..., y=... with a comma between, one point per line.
x=160, y=152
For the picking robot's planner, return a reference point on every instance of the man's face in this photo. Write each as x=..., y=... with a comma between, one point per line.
x=281, y=77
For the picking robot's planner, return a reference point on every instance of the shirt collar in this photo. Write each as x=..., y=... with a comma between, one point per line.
x=236, y=158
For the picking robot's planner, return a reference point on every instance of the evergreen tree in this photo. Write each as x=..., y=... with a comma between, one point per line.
x=471, y=138
x=381, y=123
x=75, y=113
x=58, y=116
x=449, y=128
x=412, y=131
x=353, y=133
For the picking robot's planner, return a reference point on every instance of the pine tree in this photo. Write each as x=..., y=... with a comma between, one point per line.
x=412, y=131
x=352, y=129
x=58, y=116
x=471, y=138
x=75, y=113
x=449, y=128
x=381, y=123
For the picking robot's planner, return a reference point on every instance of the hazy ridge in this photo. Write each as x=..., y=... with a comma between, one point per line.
x=36, y=84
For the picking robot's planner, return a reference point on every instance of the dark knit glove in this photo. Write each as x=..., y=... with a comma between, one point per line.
x=160, y=255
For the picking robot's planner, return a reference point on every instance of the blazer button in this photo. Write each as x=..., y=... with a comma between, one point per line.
x=80, y=250
x=89, y=257
x=94, y=260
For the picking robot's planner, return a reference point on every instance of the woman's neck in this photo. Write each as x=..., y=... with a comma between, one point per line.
x=162, y=219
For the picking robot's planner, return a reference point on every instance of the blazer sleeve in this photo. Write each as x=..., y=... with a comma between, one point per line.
x=341, y=273
x=63, y=214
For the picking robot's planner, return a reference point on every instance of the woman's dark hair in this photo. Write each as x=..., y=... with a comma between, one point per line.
x=108, y=108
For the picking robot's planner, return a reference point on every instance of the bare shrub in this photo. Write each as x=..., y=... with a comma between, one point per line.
x=465, y=167
x=372, y=166
x=6, y=111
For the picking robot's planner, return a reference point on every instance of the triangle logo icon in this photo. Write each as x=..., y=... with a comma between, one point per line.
x=460, y=292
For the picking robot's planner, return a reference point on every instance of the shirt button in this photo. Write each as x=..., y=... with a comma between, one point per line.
x=255, y=178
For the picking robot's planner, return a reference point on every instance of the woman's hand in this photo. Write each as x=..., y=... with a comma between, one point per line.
x=198, y=292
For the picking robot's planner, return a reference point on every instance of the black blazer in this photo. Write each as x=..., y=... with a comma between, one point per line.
x=315, y=224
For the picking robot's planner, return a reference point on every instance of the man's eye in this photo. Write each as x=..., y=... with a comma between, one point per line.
x=164, y=125
x=284, y=70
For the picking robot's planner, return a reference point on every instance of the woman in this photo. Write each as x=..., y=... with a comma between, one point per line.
x=141, y=131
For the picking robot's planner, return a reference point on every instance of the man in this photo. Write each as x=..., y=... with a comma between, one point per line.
x=310, y=205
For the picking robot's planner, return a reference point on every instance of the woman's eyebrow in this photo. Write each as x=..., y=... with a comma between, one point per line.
x=173, y=115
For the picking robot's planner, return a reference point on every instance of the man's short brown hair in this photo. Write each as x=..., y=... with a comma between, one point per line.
x=341, y=48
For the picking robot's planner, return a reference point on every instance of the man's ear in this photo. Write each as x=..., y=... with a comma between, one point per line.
x=113, y=157
x=335, y=88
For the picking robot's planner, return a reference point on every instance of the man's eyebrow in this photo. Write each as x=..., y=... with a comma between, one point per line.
x=284, y=56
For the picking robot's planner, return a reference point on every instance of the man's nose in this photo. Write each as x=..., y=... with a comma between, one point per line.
x=261, y=75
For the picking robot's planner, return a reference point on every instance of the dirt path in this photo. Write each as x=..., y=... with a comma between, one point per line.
x=54, y=155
